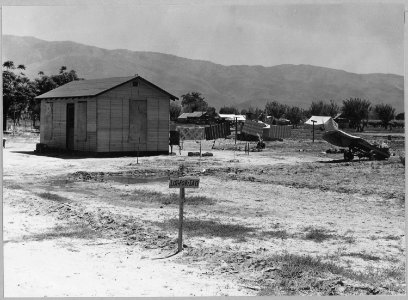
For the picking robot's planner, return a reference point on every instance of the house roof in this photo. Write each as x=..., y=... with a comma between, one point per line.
x=195, y=114
x=93, y=87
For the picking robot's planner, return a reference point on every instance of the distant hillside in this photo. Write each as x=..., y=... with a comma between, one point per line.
x=242, y=86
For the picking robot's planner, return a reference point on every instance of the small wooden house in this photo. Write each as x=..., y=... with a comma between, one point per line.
x=111, y=115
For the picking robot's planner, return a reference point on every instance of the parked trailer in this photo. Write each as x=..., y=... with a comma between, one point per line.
x=357, y=146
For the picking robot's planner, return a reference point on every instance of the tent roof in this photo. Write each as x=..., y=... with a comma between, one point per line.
x=320, y=120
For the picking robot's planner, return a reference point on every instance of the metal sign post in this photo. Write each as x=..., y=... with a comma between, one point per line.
x=182, y=183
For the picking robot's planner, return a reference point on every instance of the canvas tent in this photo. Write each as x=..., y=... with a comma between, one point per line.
x=327, y=122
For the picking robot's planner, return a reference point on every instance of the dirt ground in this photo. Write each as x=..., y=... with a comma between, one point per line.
x=290, y=220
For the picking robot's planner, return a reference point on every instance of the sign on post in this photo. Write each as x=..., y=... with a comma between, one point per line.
x=182, y=183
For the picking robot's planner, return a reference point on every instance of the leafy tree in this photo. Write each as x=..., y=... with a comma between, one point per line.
x=276, y=109
x=211, y=111
x=193, y=101
x=385, y=113
x=321, y=108
x=18, y=90
x=332, y=109
x=175, y=110
x=259, y=114
x=229, y=110
x=316, y=108
x=356, y=109
x=295, y=115
x=400, y=116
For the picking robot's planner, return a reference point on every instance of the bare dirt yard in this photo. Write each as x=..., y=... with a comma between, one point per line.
x=290, y=220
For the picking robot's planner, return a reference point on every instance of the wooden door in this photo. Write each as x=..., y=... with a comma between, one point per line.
x=70, y=126
x=138, y=121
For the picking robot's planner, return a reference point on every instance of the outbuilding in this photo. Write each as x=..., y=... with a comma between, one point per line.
x=110, y=115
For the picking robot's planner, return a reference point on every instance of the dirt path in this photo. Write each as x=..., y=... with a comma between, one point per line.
x=289, y=220
x=41, y=261
x=39, y=264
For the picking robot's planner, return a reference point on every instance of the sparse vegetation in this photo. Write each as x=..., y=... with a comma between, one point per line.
x=280, y=234
x=208, y=228
x=364, y=256
x=280, y=199
x=299, y=275
x=53, y=197
x=317, y=235
x=142, y=195
x=78, y=231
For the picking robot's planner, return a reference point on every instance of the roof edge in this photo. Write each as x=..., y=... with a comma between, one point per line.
x=172, y=97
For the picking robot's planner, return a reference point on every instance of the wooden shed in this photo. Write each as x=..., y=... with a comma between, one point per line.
x=111, y=115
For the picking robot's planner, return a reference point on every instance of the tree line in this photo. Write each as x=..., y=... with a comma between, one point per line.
x=19, y=91
x=355, y=110
x=19, y=94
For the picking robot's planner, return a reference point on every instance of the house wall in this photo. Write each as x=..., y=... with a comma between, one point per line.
x=108, y=120
x=115, y=121
x=53, y=123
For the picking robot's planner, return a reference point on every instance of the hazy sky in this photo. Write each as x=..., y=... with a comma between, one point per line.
x=361, y=38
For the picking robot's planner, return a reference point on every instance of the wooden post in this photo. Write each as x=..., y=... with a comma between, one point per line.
x=180, y=233
x=313, y=121
x=236, y=129
x=138, y=148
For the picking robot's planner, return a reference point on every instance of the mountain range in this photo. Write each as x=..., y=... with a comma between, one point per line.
x=241, y=86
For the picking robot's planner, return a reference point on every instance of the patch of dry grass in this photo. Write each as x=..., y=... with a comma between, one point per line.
x=53, y=197
x=208, y=228
x=280, y=234
x=148, y=196
x=317, y=234
x=306, y=275
x=364, y=256
x=78, y=231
